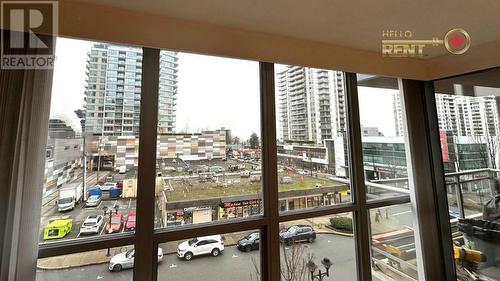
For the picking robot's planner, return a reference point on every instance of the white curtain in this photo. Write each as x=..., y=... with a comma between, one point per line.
x=24, y=112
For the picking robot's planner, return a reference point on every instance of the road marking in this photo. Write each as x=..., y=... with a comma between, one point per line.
x=99, y=277
x=103, y=228
x=234, y=256
x=401, y=213
x=129, y=202
x=173, y=266
x=329, y=241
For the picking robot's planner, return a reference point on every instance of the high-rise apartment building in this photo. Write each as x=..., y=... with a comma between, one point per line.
x=113, y=90
x=398, y=114
x=461, y=115
x=311, y=104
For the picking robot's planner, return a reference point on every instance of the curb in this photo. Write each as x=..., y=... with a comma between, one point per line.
x=332, y=232
x=69, y=266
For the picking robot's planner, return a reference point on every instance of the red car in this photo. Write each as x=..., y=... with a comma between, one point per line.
x=115, y=225
x=130, y=222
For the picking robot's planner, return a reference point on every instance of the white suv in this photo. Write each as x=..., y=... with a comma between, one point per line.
x=108, y=185
x=201, y=246
x=91, y=225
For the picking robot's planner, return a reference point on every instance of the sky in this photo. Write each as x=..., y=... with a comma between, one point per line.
x=213, y=92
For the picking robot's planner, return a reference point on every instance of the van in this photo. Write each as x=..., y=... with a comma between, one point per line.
x=58, y=227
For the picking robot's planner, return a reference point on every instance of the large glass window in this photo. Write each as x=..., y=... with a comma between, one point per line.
x=90, y=173
x=106, y=264
x=209, y=169
x=229, y=256
x=311, y=120
x=393, y=243
x=468, y=117
x=382, y=131
x=320, y=245
x=208, y=157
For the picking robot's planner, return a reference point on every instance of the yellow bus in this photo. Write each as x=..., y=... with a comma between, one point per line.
x=58, y=227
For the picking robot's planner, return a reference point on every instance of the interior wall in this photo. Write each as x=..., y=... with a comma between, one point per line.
x=101, y=23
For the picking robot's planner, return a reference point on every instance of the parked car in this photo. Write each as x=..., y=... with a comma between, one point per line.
x=122, y=169
x=286, y=180
x=108, y=185
x=91, y=225
x=130, y=222
x=201, y=246
x=249, y=243
x=126, y=260
x=58, y=227
x=115, y=225
x=109, y=178
x=297, y=233
x=93, y=201
x=454, y=215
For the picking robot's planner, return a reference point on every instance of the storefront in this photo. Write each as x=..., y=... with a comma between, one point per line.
x=239, y=207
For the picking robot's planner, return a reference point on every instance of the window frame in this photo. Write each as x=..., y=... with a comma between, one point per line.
x=146, y=239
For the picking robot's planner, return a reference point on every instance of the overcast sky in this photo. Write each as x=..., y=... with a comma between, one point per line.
x=212, y=92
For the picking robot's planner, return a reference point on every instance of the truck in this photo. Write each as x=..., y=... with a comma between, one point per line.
x=58, y=227
x=70, y=194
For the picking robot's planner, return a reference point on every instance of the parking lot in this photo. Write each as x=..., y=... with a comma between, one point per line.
x=80, y=212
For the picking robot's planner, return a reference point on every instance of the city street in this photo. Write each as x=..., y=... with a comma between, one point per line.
x=232, y=265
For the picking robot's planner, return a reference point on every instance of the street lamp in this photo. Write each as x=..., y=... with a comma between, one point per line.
x=320, y=275
x=109, y=211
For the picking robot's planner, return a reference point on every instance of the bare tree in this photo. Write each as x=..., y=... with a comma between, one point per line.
x=293, y=263
x=492, y=148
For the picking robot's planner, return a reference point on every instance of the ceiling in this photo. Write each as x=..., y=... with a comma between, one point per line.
x=353, y=24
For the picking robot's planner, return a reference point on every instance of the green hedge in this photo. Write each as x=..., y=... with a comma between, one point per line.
x=341, y=223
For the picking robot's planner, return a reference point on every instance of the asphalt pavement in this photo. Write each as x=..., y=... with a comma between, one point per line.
x=232, y=265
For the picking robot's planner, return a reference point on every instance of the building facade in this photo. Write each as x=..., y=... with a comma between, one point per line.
x=118, y=151
x=58, y=129
x=63, y=157
x=311, y=104
x=113, y=90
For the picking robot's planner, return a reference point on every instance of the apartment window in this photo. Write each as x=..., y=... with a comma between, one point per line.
x=468, y=118
x=208, y=160
x=312, y=139
x=214, y=168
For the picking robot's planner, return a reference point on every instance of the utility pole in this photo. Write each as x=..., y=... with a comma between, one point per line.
x=98, y=159
x=84, y=168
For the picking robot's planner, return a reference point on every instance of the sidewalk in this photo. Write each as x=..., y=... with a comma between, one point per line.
x=79, y=259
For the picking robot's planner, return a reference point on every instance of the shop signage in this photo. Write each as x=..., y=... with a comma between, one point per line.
x=240, y=203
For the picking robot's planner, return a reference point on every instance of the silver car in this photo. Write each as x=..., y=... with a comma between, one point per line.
x=126, y=260
x=93, y=201
x=91, y=225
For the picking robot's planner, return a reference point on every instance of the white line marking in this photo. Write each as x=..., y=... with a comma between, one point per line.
x=173, y=266
x=234, y=256
x=129, y=202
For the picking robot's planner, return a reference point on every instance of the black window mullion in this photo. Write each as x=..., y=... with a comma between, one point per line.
x=145, y=262
x=270, y=245
x=356, y=170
